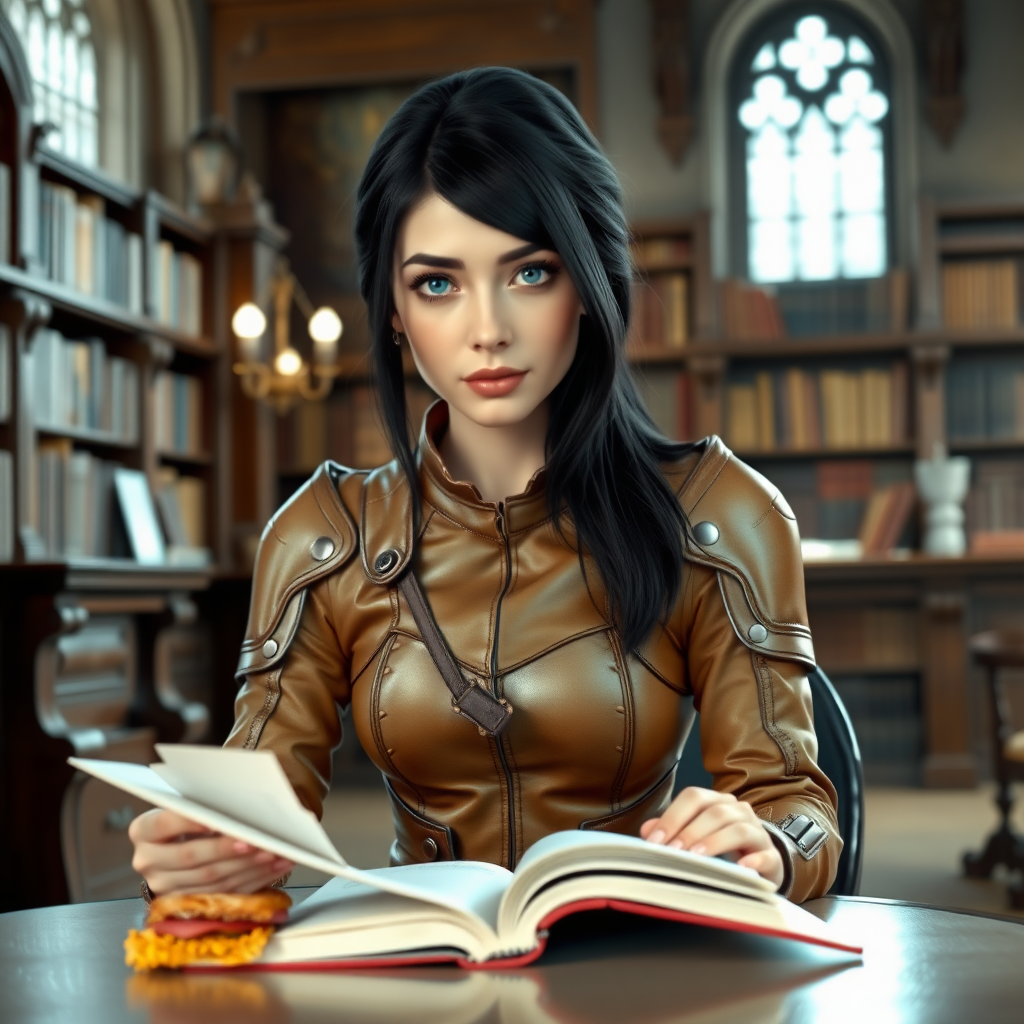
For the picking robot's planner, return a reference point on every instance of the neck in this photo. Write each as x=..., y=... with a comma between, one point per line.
x=498, y=461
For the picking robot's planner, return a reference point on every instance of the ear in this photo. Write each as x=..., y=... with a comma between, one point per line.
x=396, y=323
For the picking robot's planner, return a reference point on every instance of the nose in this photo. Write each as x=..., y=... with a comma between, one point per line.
x=489, y=332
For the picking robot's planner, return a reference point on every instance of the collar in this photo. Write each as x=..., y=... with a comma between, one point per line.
x=459, y=500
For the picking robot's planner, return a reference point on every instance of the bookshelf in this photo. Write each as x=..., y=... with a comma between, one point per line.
x=114, y=355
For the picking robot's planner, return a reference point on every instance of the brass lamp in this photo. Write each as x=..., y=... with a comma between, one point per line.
x=287, y=376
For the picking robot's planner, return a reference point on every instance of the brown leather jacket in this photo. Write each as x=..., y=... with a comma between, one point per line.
x=596, y=731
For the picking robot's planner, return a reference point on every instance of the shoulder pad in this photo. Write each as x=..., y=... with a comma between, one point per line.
x=385, y=523
x=310, y=536
x=741, y=526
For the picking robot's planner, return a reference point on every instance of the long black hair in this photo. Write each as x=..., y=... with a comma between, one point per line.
x=513, y=153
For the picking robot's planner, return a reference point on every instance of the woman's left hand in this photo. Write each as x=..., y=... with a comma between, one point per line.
x=712, y=823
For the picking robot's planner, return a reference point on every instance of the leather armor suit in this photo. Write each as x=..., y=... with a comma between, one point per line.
x=596, y=731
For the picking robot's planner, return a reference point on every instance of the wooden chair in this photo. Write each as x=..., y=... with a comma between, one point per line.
x=996, y=650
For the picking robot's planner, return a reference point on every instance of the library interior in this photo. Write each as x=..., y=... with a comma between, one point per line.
x=824, y=212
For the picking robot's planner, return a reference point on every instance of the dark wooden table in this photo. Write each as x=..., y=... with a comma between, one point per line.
x=64, y=964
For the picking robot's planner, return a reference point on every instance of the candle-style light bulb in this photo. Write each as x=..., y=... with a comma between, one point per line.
x=288, y=362
x=325, y=329
x=249, y=323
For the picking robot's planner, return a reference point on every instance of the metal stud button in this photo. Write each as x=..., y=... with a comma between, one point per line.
x=757, y=633
x=386, y=561
x=270, y=649
x=322, y=548
x=429, y=848
x=706, y=534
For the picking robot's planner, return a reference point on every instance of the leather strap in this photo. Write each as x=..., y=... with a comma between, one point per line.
x=487, y=712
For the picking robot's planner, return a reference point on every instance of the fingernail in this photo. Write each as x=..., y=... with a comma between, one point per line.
x=699, y=848
x=657, y=836
x=677, y=844
x=241, y=847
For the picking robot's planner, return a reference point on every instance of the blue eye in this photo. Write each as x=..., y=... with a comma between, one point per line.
x=532, y=275
x=438, y=285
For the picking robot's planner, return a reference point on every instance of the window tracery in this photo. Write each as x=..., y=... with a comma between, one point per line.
x=813, y=112
x=60, y=50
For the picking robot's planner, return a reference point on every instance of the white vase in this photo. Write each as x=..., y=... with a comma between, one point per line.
x=942, y=484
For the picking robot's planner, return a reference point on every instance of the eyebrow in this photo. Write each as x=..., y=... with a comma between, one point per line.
x=448, y=263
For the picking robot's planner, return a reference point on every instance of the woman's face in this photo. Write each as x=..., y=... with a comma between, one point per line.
x=492, y=321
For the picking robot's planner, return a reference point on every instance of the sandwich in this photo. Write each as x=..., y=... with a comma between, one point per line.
x=219, y=929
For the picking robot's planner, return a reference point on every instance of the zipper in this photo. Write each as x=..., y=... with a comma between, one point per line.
x=500, y=740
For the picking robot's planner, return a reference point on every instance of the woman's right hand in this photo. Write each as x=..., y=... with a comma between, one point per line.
x=175, y=855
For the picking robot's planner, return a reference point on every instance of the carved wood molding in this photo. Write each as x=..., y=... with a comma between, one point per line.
x=670, y=36
x=944, y=60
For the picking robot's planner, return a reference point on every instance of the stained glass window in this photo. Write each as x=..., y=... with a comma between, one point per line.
x=812, y=109
x=58, y=39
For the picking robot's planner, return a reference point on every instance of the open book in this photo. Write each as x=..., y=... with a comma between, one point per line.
x=457, y=911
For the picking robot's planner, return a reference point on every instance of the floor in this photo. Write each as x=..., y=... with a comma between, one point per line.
x=913, y=842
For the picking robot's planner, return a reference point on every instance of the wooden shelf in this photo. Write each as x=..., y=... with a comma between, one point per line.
x=178, y=221
x=186, y=459
x=56, y=166
x=827, y=345
x=100, y=313
x=99, y=438
x=835, y=670
x=995, y=444
x=982, y=244
x=762, y=454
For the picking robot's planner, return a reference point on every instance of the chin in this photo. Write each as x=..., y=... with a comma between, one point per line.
x=496, y=412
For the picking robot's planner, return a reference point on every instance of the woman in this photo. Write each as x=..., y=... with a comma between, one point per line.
x=549, y=525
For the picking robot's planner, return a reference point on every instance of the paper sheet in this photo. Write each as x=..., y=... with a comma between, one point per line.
x=211, y=779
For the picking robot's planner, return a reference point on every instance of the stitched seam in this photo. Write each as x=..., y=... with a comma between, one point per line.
x=467, y=529
x=783, y=740
x=378, y=732
x=499, y=773
x=252, y=738
x=626, y=689
x=659, y=675
x=629, y=809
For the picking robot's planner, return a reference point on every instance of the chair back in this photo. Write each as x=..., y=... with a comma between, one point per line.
x=838, y=758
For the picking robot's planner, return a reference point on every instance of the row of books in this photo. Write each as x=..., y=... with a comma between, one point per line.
x=74, y=503
x=6, y=375
x=178, y=413
x=177, y=289
x=5, y=213
x=877, y=305
x=980, y=293
x=182, y=504
x=800, y=410
x=995, y=507
x=79, y=384
x=83, y=248
x=667, y=252
x=877, y=637
x=660, y=313
x=985, y=399
x=886, y=715
x=6, y=506
x=668, y=396
x=849, y=499
x=346, y=428
x=874, y=305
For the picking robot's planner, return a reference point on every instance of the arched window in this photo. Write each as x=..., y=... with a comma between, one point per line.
x=811, y=105
x=60, y=48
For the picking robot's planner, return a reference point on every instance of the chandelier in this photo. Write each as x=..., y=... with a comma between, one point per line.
x=287, y=376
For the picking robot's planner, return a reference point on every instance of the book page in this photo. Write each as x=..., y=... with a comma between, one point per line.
x=147, y=785
x=249, y=785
